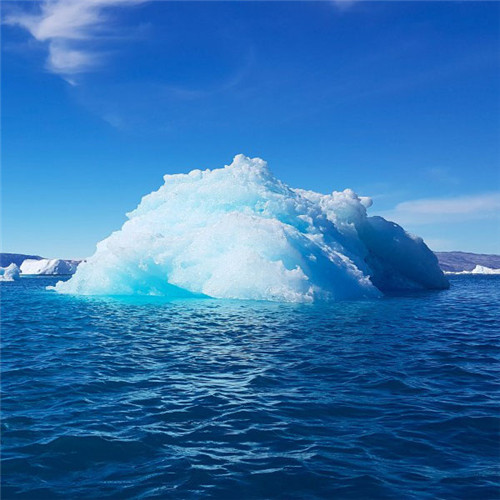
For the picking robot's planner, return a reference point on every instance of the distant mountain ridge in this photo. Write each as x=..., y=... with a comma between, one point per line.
x=465, y=261
x=6, y=259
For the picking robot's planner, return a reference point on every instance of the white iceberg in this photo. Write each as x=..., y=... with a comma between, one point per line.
x=484, y=270
x=478, y=270
x=9, y=273
x=240, y=233
x=48, y=266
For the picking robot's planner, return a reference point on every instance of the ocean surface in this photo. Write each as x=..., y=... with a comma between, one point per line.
x=392, y=398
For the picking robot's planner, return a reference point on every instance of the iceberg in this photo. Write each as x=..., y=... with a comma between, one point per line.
x=9, y=273
x=478, y=270
x=240, y=233
x=484, y=270
x=49, y=266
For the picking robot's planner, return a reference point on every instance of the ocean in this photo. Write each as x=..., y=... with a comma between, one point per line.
x=141, y=398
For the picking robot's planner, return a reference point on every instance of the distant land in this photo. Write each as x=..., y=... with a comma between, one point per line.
x=6, y=259
x=453, y=262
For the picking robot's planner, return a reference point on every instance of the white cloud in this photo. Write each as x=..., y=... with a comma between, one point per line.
x=432, y=210
x=68, y=27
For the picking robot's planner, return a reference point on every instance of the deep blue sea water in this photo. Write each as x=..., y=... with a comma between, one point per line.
x=390, y=398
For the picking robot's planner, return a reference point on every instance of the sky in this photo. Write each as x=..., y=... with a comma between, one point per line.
x=399, y=101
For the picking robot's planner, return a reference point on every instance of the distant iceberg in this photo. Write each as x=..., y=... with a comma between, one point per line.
x=478, y=270
x=9, y=273
x=49, y=266
x=455, y=262
x=240, y=233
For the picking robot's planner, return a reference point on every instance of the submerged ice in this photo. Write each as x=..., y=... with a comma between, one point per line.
x=240, y=233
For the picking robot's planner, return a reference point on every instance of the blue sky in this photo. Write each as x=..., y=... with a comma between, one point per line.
x=398, y=100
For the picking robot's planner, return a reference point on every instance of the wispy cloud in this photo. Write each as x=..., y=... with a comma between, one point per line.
x=68, y=27
x=442, y=175
x=433, y=210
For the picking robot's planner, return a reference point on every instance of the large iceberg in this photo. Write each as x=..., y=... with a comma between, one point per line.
x=240, y=233
x=9, y=273
x=49, y=266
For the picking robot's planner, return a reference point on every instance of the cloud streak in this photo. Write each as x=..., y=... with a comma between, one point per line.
x=433, y=210
x=69, y=27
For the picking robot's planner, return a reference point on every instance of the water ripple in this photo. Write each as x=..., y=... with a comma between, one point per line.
x=119, y=398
